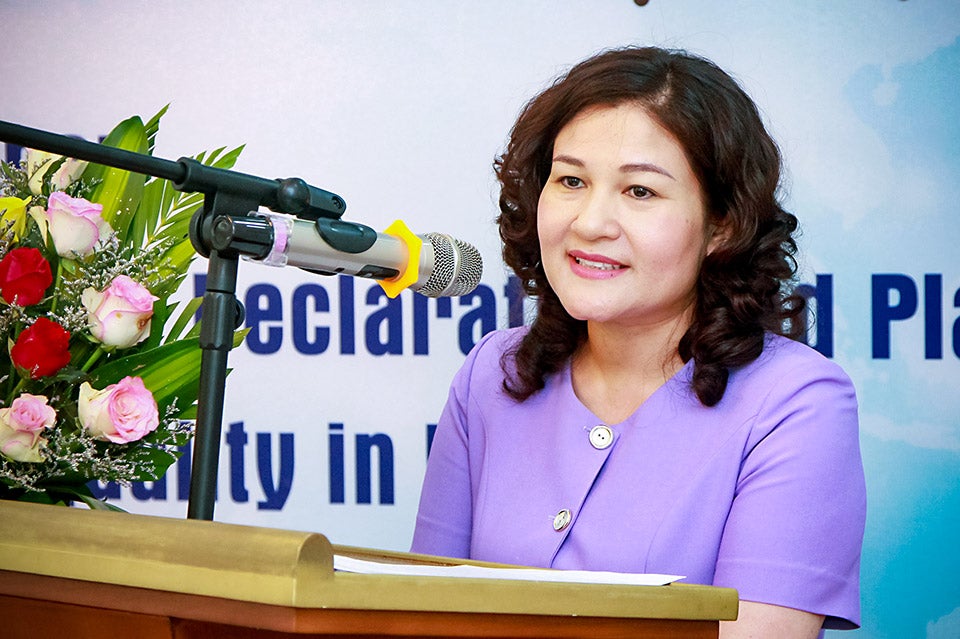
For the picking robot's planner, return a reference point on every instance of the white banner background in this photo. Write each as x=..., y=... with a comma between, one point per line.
x=400, y=108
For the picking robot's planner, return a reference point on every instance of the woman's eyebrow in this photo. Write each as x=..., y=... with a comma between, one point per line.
x=632, y=167
x=568, y=159
x=645, y=167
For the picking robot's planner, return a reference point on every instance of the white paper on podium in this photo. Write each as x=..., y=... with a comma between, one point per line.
x=351, y=564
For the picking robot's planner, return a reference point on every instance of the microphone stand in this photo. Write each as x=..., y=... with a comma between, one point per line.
x=229, y=197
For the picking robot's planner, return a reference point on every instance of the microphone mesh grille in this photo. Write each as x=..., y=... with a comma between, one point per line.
x=457, y=267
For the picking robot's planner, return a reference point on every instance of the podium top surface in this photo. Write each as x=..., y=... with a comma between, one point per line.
x=295, y=569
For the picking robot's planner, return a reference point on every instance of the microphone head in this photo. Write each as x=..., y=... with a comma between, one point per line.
x=457, y=267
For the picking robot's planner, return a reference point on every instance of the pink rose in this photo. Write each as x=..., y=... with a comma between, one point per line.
x=21, y=425
x=120, y=413
x=75, y=225
x=120, y=314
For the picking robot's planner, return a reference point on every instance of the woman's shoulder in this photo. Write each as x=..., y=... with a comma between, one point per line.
x=484, y=363
x=787, y=357
x=788, y=371
x=498, y=342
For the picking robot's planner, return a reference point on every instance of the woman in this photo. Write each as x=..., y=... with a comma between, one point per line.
x=655, y=417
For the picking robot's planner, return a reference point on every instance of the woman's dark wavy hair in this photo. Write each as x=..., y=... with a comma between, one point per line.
x=742, y=287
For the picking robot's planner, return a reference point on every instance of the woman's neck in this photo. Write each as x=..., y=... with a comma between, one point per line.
x=618, y=368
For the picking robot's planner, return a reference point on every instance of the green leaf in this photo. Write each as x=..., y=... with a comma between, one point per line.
x=229, y=159
x=96, y=504
x=238, y=337
x=137, y=230
x=146, y=457
x=147, y=218
x=194, y=331
x=161, y=312
x=61, y=493
x=117, y=190
x=165, y=215
x=35, y=497
x=176, y=331
x=180, y=255
x=162, y=370
x=152, y=127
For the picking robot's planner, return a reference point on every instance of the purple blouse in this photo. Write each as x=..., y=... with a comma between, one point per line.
x=763, y=492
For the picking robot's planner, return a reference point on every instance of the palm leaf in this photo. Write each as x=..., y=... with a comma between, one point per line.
x=152, y=127
x=176, y=331
x=161, y=313
x=167, y=215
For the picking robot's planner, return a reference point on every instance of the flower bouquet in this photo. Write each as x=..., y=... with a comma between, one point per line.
x=99, y=377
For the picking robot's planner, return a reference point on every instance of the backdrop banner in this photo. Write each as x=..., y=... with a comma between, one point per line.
x=401, y=107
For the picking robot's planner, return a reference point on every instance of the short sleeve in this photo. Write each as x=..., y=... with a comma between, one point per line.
x=444, y=518
x=795, y=529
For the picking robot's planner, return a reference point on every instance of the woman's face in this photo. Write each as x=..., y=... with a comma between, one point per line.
x=622, y=222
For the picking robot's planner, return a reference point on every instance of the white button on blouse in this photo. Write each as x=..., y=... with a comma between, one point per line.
x=601, y=437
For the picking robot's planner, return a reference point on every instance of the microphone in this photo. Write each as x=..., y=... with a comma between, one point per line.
x=432, y=264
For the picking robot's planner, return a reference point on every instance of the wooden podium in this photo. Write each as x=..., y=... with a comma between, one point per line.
x=67, y=572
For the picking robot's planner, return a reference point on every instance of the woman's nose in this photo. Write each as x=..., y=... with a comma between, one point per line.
x=597, y=216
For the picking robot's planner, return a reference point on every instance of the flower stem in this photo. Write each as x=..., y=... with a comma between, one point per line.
x=16, y=389
x=53, y=304
x=92, y=360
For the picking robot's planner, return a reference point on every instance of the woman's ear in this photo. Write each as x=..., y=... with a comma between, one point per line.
x=720, y=232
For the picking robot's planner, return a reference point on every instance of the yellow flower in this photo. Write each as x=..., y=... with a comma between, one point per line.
x=14, y=210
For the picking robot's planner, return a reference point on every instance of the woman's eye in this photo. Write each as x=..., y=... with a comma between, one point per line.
x=571, y=182
x=640, y=192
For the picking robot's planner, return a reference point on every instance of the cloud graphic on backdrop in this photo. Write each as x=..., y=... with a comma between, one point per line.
x=931, y=435
x=914, y=110
x=946, y=627
x=913, y=106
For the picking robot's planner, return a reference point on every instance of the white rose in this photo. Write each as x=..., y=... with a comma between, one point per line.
x=39, y=164
x=120, y=314
x=75, y=225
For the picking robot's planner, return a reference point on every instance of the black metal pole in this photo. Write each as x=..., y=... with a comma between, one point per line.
x=96, y=153
x=220, y=317
x=289, y=195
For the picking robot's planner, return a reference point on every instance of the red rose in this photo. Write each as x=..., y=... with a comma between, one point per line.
x=41, y=349
x=24, y=276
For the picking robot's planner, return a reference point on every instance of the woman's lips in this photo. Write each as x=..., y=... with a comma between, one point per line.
x=594, y=266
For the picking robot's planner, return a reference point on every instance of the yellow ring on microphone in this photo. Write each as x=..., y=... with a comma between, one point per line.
x=411, y=272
